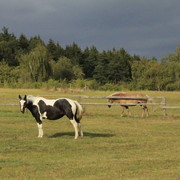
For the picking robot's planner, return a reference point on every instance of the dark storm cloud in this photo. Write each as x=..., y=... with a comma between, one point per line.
x=148, y=28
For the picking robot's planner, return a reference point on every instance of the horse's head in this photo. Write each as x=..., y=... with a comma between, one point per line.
x=23, y=103
x=110, y=101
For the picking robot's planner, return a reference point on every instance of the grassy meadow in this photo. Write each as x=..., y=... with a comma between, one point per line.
x=113, y=147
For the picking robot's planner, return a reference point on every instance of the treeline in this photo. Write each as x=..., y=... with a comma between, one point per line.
x=30, y=62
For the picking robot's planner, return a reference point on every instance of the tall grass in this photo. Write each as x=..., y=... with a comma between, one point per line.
x=112, y=148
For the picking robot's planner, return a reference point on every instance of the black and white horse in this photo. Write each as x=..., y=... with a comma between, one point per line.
x=54, y=109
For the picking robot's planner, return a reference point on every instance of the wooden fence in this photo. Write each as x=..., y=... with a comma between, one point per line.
x=81, y=99
x=152, y=102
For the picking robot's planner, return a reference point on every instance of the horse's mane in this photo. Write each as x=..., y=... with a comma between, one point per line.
x=31, y=98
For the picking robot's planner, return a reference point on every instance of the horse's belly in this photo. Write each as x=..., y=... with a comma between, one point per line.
x=128, y=102
x=54, y=115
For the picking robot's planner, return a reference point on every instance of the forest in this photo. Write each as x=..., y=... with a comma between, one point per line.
x=32, y=63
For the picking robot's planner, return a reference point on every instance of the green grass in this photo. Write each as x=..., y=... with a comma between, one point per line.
x=112, y=148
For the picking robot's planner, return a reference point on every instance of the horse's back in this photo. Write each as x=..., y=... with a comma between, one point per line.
x=123, y=94
x=76, y=108
x=142, y=98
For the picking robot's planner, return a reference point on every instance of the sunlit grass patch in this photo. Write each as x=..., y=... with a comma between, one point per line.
x=113, y=147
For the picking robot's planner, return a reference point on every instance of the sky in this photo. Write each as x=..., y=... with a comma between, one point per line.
x=149, y=28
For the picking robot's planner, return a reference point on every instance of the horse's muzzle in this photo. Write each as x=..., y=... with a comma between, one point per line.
x=23, y=110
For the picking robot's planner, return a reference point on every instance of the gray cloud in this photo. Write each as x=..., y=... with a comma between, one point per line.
x=148, y=28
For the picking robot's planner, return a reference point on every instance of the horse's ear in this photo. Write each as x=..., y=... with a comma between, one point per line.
x=20, y=97
x=25, y=97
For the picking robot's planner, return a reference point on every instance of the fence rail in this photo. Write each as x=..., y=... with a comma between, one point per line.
x=169, y=107
x=118, y=104
x=8, y=104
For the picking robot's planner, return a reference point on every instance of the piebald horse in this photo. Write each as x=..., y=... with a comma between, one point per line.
x=54, y=109
x=126, y=101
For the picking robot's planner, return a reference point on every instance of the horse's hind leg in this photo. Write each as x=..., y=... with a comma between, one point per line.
x=145, y=111
x=80, y=129
x=123, y=109
x=129, y=112
x=122, y=113
x=75, y=124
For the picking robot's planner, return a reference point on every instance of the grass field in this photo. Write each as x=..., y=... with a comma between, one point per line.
x=113, y=147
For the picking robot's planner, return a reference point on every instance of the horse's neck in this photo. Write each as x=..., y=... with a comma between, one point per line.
x=30, y=106
x=33, y=107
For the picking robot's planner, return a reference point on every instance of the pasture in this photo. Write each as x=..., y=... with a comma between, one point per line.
x=113, y=147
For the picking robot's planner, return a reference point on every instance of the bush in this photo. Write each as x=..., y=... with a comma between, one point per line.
x=173, y=87
x=85, y=84
x=112, y=87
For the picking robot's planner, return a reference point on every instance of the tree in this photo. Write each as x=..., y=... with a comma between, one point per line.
x=5, y=72
x=173, y=57
x=140, y=75
x=55, y=50
x=89, y=62
x=74, y=53
x=7, y=53
x=23, y=44
x=78, y=73
x=34, y=42
x=172, y=60
x=36, y=65
x=113, y=67
x=119, y=67
x=62, y=69
x=8, y=47
x=8, y=74
x=101, y=71
x=154, y=75
x=6, y=36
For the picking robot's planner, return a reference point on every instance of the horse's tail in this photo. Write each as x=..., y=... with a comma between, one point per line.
x=79, y=111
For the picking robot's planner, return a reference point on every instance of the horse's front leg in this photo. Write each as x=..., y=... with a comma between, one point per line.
x=40, y=129
x=122, y=112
